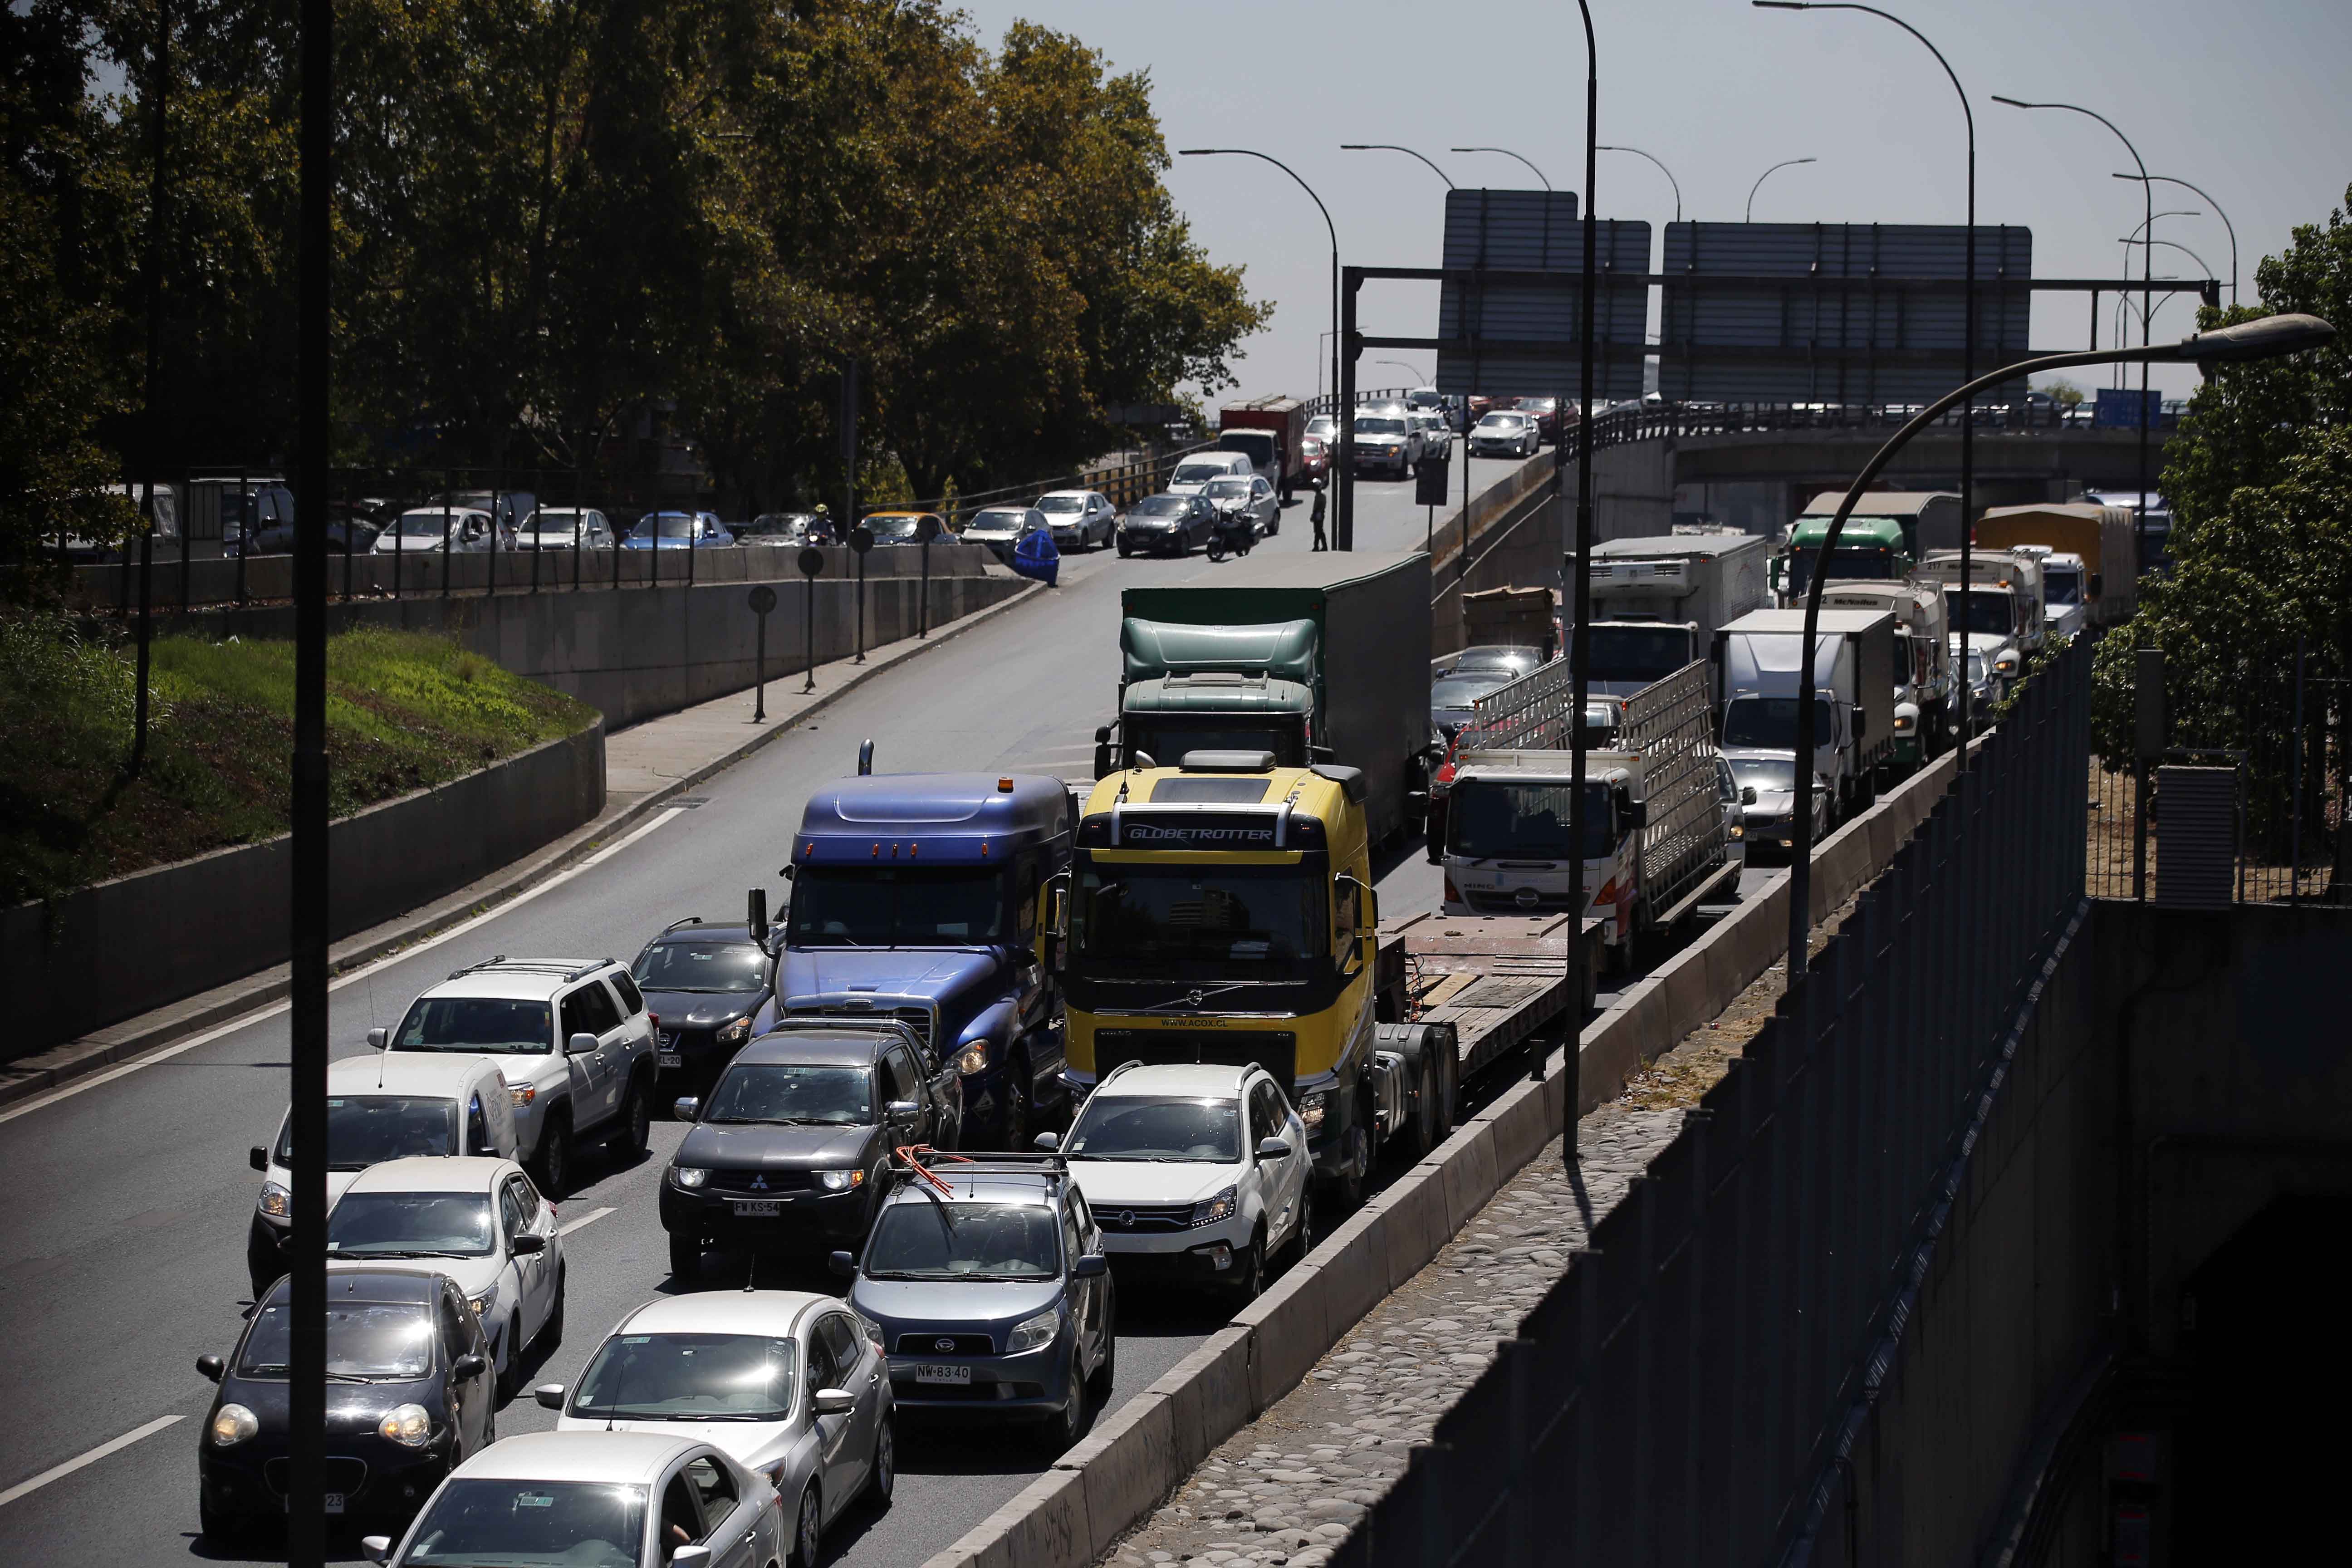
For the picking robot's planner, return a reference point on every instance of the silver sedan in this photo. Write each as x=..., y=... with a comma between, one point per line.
x=1251, y=497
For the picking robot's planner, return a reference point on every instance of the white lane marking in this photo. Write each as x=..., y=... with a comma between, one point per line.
x=591, y=1218
x=262, y=1015
x=59, y=1472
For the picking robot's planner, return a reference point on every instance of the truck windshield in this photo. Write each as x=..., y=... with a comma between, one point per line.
x=1169, y=740
x=897, y=906
x=1867, y=562
x=2062, y=585
x=1136, y=913
x=1989, y=609
x=1492, y=818
x=1769, y=723
x=1638, y=652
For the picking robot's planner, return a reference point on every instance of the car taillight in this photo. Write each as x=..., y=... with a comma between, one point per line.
x=654, y=1018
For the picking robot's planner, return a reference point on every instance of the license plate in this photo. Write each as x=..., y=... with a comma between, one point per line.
x=942, y=1373
x=334, y=1503
x=670, y=1059
x=757, y=1208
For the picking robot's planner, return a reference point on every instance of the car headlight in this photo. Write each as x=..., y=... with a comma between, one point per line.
x=972, y=1058
x=840, y=1181
x=522, y=1094
x=2005, y=666
x=736, y=1033
x=1738, y=830
x=410, y=1425
x=1310, y=1108
x=1210, y=1210
x=688, y=1175
x=1035, y=1334
x=232, y=1425
x=485, y=1302
x=276, y=1202
x=1904, y=722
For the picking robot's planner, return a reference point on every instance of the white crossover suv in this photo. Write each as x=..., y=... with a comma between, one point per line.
x=1196, y=1172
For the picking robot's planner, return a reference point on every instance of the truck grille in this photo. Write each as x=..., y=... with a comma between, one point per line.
x=1275, y=1050
x=1145, y=1219
x=1506, y=902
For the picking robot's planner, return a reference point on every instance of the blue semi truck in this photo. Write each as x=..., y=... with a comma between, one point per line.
x=921, y=897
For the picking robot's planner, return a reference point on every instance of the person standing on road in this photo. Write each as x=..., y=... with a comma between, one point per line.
x=1315, y=515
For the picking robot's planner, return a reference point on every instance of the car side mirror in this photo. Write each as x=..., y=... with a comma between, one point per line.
x=831, y=1402
x=212, y=1366
x=550, y=1395
x=526, y=1244
x=467, y=1366
x=257, y=1157
x=1748, y=794
x=1089, y=1265
x=690, y=1556
x=1051, y=1142
x=905, y=1110
x=686, y=1108
x=376, y=1548
x=1272, y=1149
x=842, y=1263
x=580, y=1045
x=379, y=1038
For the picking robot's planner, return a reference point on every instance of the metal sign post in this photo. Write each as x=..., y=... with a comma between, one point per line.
x=762, y=599
x=861, y=540
x=812, y=561
x=926, y=529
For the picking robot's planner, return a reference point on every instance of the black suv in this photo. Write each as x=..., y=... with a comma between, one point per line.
x=705, y=983
x=793, y=1143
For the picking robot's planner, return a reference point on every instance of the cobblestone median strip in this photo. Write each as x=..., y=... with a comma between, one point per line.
x=1288, y=1487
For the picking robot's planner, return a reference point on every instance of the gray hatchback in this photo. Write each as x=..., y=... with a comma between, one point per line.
x=986, y=1283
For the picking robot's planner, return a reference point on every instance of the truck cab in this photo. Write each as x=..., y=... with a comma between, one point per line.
x=920, y=897
x=1506, y=845
x=1207, y=689
x=2002, y=597
x=1869, y=549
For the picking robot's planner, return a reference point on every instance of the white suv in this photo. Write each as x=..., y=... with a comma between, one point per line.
x=1197, y=1172
x=572, y=1038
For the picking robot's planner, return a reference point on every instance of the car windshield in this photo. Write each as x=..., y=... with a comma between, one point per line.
x=482, y=1522
x=428, y=524
x=1160, y=506
x=1628, y=653
x=1057, y=505
x=365, y=1130
x=1765, y=774
x=1537, y=404
x=995, y=521
x=1461, y=690
x=891, y=527
x=557, y=521
x=1198, y=473
x=1374, y=427
x=687, y=1377
x=1221, y=488
x=1989, y=609
x=1770, y=722
x=1518, y=660
x=1322, y=427
x=789, y=1093
x=471, y=1024
x=1487, y=818
x=668, y=525
x=1150, y=1127
x=921, y=1239
x=1502, y=422
x=896, y=906
x=2062, y=585
x=410, y=1225
x=715, y=968
x=1227, y=915
x=364, y=1339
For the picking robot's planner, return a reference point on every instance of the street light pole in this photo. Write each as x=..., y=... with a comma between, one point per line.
x=2170, y=180
x=1749, y=214
x=1507, y=153
x=1669, y=173
x=1417, y=378
x=2147, y=293
x=1392, y=147
x=2174, y=245
x=1346, y=524
x=2267, y=338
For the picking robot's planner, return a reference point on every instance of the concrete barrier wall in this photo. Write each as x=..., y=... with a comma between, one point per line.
x=112, y=951
x=1142, y=1452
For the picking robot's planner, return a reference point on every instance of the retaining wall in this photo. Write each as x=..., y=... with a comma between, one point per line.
x=117, y=948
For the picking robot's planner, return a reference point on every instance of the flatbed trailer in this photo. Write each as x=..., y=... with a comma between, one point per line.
x=1492, y=981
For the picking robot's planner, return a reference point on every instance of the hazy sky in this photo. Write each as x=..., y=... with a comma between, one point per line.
x=2248, y=99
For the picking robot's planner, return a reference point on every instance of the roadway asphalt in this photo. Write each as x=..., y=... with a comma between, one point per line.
x=125, y=1258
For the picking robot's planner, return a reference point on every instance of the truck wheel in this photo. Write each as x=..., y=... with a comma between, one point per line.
x=1425, y=1108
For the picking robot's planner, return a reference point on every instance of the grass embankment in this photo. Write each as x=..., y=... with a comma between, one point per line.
x=403, y=711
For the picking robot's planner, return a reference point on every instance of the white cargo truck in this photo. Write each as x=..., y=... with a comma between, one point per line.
x=1657, y=839
x=1923, y=660
x=1657, y=601
x=1763, y=675
x=2004, y=593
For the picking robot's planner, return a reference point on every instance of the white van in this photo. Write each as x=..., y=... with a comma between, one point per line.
x=386, y=1105
x=1193, y=474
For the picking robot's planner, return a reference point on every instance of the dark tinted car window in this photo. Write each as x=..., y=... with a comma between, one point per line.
x=363, y=1130
x=631, y=997
x=364, y=1339
x=703, y=966
x=473, y=1023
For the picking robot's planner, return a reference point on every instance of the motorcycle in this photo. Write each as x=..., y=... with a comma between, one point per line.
x=1233, y=532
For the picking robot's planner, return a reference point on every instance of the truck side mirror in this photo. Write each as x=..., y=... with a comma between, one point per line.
x=1103, y=769
x=2098, y=586
x=1861, y=723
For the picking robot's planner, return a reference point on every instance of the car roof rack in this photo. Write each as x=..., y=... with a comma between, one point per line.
x=930, y=1167
x=688, y=920
x=570, y=972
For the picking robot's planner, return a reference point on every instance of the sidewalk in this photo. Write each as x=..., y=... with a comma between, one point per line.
x=646, y=766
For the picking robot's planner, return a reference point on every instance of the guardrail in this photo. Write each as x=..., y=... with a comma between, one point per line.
x=1677, y=1397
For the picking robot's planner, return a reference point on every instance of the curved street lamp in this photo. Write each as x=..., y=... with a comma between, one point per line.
x=1417, y=377
x=2170, y=180
x=1669, y=173
x=1392, y=147
x=1750, y=216
x=1328, y=227
x=1507, y=153
x=2267, y=338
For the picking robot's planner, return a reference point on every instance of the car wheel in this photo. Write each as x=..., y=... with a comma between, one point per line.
x=1125, y=550
x=1062, y=1428
x=1017, y=1104
x=1105, y=1374
x=550, y=1333
x=510, y=1372
x=808, y=1528
x=637, y=1126
x=1302, y=1235
x=885, y=1477
x=1252, y=1279
x=554, y=1160
x=1348, y=1189
x=685, y=1260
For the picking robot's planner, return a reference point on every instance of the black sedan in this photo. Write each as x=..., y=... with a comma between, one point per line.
x=704, y=982
x=408, y=1400
x=793, y=1144
x=1166, y=525
x=1451, y=696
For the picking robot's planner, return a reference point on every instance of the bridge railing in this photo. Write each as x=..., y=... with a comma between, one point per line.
x=1680, y=1393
